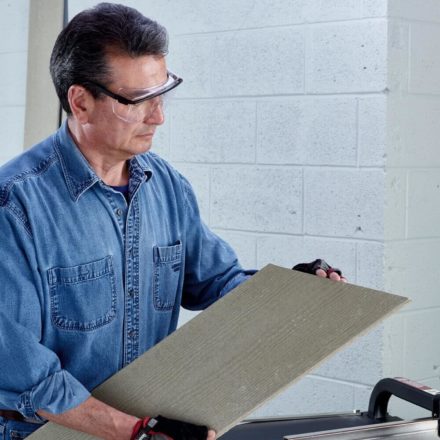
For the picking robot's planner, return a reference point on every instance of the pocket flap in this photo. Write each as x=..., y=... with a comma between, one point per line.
x=166, y=254
x=82, y=272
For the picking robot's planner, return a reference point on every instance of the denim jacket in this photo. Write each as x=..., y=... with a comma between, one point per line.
x=89, y=282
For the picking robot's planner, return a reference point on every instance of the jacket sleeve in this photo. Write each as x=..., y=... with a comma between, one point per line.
x=31, y=377
x=211, y=265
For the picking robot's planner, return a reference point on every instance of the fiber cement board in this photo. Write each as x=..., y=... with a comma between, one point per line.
x=243, y=350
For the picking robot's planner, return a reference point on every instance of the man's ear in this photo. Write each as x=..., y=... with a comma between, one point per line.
x=81, y=103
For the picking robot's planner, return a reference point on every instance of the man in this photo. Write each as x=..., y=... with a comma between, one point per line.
x=102, y=240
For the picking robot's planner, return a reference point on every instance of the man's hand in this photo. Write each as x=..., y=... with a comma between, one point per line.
x=161, y=427
x=101, y=420
x=96, y=418
x=321, y=269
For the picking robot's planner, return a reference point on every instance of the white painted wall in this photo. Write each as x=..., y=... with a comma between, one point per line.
x=13, y=55
x=308, y=128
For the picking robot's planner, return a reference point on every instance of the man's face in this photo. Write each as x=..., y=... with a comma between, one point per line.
x=109, y=133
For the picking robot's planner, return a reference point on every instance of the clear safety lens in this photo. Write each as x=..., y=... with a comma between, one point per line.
x=137, y=112
x=150, y=99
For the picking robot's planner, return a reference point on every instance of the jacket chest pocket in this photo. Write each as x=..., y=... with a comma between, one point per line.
x=167, y=262
x=83, y=297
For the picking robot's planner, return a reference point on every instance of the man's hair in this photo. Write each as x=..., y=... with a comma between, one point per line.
x=80, y=51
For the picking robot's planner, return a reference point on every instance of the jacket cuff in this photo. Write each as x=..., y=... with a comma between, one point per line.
x=55, y=394
x=237, y=280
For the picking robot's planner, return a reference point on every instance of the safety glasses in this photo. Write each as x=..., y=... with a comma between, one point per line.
x=136, y=105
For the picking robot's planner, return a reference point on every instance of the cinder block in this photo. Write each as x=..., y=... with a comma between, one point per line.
x=345, y=58
x=257, y=199
x=344, y=203
x=330, y=10
x=281, y=131
x=185, y=316
x=287, y=251
x=372, y=131
x=424, y=358
x=257, y=62
x=404, y=264
x=198, y=16
x=246, y=62
x=213, y=131
x=362, y=397
x=198, y=176
x=374, y=8
x=13, y=79
x=412, y=10
x=335, y=10
x=414, y=131
x=423, y=206
x=14, y=20
x=398, y=57
x=268, y=13
x=370, y=260
x=192, y=57
x=306, y=397
x=161, y=140
x=12, y=129
x=360, y=362
x=79, y=5
x=395, y=204
x=394, y=351
x=424, y=63
x=243, y=244
x=319, y=131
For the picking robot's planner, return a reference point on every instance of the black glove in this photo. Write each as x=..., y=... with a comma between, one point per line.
x=174, y=429
x=312, y=267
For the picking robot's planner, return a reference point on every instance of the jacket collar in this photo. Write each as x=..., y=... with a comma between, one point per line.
x=78, y=173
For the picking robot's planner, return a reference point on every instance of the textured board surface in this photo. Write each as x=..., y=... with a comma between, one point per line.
x=242, y=351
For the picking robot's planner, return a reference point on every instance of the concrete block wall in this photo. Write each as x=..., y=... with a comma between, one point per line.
x=412, y=233
x=280, y=125
x=13, y=56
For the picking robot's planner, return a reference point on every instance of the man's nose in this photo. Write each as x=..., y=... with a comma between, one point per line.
x=157, y=116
